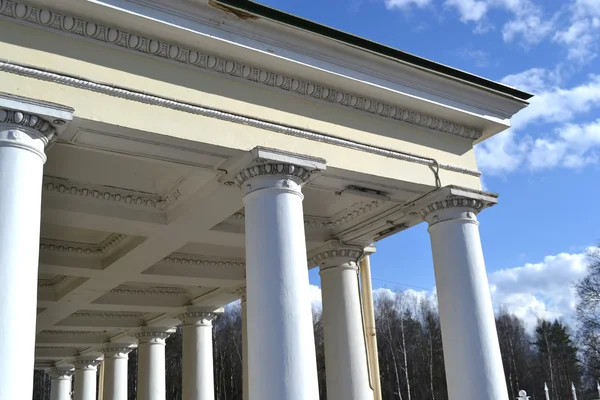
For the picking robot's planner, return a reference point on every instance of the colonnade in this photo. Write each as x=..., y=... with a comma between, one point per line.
x=280, y=345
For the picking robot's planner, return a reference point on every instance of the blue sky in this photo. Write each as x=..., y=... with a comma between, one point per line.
x=545, y=168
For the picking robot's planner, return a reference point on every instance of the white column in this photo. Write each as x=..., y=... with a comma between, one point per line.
x=115, y=371
x=246, y=394
x=471, y=348
x=281, y=343
x=60, y=383
x=346, y=359
x=198, y=375
x=23, y=137
x=85, y=378
x=151, y=364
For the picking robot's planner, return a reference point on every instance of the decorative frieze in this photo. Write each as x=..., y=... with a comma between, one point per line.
x=69, y=333
x=53, y=283
x=146, y=292
x=110, y=315
x=85, y=364
x=188, y=260
x=84, y=250
x=149, y=335
x=160, y=49
x=225, y=116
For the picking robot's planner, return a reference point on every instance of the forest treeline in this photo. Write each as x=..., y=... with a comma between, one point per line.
x=410, y=351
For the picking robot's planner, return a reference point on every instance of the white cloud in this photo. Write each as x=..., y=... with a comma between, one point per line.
x=571, y=142
x=527, y=22
x=405, y=4
x=314, y=293
x=469, y=10
x=540, y=290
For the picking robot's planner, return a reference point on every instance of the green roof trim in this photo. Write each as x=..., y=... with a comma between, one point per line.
x=260, y=10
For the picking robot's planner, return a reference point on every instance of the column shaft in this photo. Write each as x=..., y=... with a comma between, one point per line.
x=21, y=170
x=345, y=350
x=60, y=385
x=198, y=375
x=281, y=351
x=85, y=380
x=115, y=373
x=471, y=349
x=246, y=394
x=151, y=366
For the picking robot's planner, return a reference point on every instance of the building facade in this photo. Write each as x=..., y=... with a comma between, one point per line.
x=160, y=159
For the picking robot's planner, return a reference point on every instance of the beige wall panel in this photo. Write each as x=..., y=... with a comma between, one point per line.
x=171, y=123
x=93, y=61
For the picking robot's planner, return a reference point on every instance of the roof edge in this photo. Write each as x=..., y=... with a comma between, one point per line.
x=251, y=7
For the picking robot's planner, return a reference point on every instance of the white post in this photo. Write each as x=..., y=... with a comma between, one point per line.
x=61, y=383
x=346, y=359
x=546, y=391
x=246, y=394
x=23, y=138
x=281, y=343
x=198, y=375
x=151, y=364
x=471, y=349
x=573, y=391
x=85, y=378
x=598, y=388
x=115, y=371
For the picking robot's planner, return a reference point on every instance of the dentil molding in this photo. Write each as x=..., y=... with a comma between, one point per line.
x=146, y=292
x=225, y=116
x=110, y=315
x=343, y=254
x=272, y=169
x=52, y=283
x=115, y=37
x=472, y=204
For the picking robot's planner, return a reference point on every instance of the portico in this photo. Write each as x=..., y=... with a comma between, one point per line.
x=157, y=165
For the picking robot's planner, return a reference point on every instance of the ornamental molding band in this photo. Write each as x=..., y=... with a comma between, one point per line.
x=61, y=373
x=43, y=128
x=272, y=169
x=149, y=335
x=56, y=185
x=85, y=364
x=331, y=223
x=70, y=333
x=53, y=283
x=146, y=292
x=155, y=48
x=81, y=249
x=225, y=116
x=108, y=315
x=190, y=260
x=115, y=349
x=198, y=315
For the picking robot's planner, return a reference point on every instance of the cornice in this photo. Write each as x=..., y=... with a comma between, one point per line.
x=226, y=116
x=332, y=223
x=146, y=292
x=189, y=260
x=82, y=249
x=39, y=125
x=156, y=48
x=108, y=194
x=150, y=335
x=271, y=169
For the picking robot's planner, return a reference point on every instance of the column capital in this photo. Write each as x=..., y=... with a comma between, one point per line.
x=452, y=202
x=116, y=350
x=61, y=373
x=153, y=335
x=86, y=363
x=31, y=124
x=199, y=316
x=336, y=254
x=276, y=169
